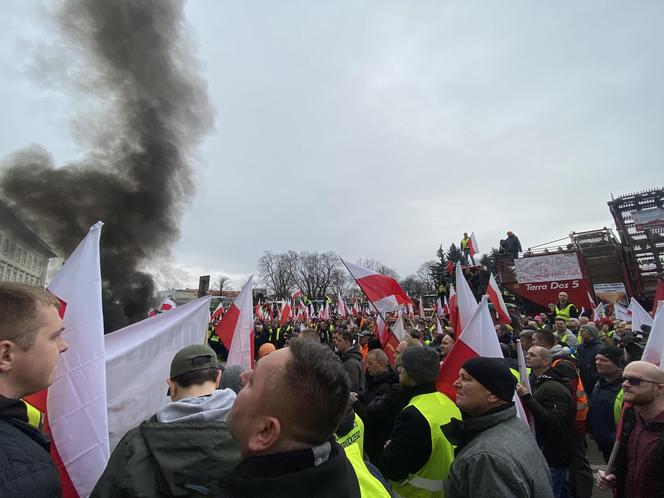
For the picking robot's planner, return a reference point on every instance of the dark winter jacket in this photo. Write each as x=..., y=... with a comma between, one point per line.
x=410, y=440
x=351, y=361
x=381, y=413
x=554, y=409
x=378, y=385
x=601, y=421
x=639, y=465
x=512, y=244
x=181, y=451
x=496, y=455
x=293, y=474
x=26, y=468
x=586, y=352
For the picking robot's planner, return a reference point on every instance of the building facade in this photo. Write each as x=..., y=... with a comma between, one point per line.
x=24, y=256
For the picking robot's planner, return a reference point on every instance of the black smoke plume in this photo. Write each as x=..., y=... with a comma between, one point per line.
x=137, y=174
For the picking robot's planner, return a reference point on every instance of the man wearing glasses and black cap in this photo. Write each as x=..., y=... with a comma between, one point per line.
x=185, y=447
x=639, y=467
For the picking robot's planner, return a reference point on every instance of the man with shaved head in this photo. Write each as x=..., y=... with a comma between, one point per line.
x=639, y=467
x=553, y=407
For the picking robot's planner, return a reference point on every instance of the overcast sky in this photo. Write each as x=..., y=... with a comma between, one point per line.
x=383, y=129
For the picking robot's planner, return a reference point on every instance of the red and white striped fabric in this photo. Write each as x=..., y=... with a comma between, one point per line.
x=75, y=404
x=411, y=313
x=236, y=329
x=453, y=311
x=296, y=294
x=218, y=312
x=341, y=306
x=285, y=312
x=472, y=245
x=446, y=305
x=496, y=299
x=439, y=327
x=388, y=341
x=477, y=339
x=167, y=304
x=385, y=292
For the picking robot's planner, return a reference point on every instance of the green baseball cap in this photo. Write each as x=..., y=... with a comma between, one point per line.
x=193, y=358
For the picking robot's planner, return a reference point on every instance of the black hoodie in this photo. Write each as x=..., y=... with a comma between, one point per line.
x=554, y=409
x=26, y=468
x=352, y=363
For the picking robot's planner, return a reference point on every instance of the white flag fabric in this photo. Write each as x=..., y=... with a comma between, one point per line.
x=654, y=350
x=138, y=361
x=465, y=301
x=598, y=313
x=622, y=313
x=76, y=402
x=398, y=329
x=639, y=316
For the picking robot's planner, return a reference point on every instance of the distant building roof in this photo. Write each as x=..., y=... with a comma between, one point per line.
x=8, y=217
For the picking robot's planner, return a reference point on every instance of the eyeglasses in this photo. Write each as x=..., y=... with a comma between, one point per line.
x=635, y=381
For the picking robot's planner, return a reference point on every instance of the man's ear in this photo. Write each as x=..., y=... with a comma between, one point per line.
x=6, y=355
x=265, y=436
x=172, y=388
x=216, y=382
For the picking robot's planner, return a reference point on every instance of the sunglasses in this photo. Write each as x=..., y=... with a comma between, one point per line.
x=635, y=381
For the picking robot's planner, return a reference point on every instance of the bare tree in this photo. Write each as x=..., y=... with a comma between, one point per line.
x=220, y=282
x=313, y=272
x=277, y=273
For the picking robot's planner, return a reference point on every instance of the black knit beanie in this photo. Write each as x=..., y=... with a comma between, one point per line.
x=612, y=353
x=494, y=374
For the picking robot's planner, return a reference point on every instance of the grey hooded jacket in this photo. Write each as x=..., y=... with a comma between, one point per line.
x=181, y=451
x=496, y=456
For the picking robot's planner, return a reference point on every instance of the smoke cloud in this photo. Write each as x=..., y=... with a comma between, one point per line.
x=137, y=174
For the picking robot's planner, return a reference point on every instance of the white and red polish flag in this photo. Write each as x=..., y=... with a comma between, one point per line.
x=439, y=327
x=453, y=312
x=496, y=298
x=258, y=311
x=284, y=313
x=388, y=341
x=167, y=304
x=384, y=292
x=473, y=246
x=296, y=294
x=446, y=305
x=654, y=350
x=341, y=306
x=465, y=301
x=75, y=404
x=421, y=307
x=478, y=339
x=236, y=329
x=411, y=313
x=218, y=312
x=440, y=309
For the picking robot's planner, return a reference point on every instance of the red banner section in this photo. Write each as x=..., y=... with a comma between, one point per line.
x=544, y=293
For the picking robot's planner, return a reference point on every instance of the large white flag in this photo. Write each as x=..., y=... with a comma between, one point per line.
x=76, y=401
x=654, y=350
x=639, y=316
x=465, y=300
x=138, y=361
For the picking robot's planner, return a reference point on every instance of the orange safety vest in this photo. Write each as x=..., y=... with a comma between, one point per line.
x=581, y=400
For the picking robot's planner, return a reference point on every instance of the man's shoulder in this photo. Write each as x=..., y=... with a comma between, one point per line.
x=25, y=465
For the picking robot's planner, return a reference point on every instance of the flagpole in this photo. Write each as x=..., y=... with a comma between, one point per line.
x=370, y=301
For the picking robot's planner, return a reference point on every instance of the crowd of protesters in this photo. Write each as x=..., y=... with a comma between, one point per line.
x=326, y=412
